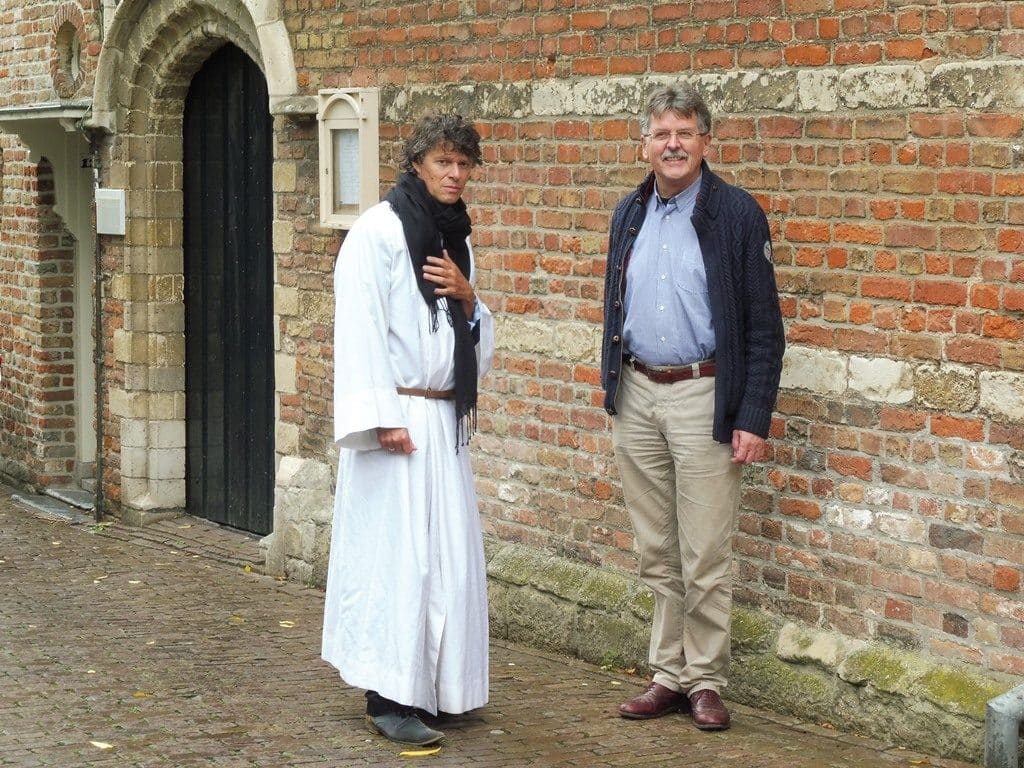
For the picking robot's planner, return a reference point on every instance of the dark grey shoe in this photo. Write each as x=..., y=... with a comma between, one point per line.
x=404, y=727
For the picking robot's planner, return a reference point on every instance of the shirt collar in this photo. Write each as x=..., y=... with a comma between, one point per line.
x=682, y=200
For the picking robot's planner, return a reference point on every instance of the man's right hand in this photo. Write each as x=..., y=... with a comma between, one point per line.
x=395, y=440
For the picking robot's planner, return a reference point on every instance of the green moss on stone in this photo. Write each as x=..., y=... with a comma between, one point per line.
x=603, y=589
x=491, y=548
x=764, y=680
x=515, y=565
x=883, y=668
x=612, y=641
x=641, y=604
x=751, y=631
x=960, y=691
x=561, y=578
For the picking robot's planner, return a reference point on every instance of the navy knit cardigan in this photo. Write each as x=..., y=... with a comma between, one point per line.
x=749, y=337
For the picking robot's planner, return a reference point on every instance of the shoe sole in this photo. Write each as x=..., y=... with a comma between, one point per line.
x=631, y=716
x=712, y=727
x=375, y=729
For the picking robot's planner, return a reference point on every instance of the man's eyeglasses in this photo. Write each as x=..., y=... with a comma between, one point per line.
x=661, y=137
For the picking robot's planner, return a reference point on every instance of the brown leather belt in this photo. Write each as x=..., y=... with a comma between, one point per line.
x=432, y=394
x=670, y=375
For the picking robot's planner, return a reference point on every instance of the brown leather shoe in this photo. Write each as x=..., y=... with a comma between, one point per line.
x=655, y=701
x=708, y=711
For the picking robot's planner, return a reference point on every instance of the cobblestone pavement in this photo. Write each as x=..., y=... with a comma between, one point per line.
x=159, y=647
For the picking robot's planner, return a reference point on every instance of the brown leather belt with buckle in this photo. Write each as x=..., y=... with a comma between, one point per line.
x=431, y=394
x=670, y=375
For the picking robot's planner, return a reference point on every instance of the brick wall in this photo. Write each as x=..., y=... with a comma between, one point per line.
x=36, y=249
x=36, y=315
x=885, y=141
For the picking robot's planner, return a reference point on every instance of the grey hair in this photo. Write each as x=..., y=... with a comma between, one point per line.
x=446, y=130
x=680, y=98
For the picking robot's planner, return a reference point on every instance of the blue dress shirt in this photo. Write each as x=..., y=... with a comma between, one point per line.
x=668, y=313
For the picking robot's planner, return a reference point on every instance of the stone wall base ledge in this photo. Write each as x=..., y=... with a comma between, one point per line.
x=141, y=517
x=889, y=692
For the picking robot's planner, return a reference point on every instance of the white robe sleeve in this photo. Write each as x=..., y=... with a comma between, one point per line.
x=364, y=382
x=485, y=347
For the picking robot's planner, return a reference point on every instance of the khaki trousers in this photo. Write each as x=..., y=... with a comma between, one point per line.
x=682, y=492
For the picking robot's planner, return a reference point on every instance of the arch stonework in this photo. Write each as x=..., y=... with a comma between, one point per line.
x=137, y=23
x=151, y=53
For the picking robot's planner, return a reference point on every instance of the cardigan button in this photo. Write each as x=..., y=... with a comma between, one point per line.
x=632, y=230
x=615, y=339
x=613, y=374
x=618, y=303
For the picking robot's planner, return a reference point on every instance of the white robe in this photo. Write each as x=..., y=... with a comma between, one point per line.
x=406, y=606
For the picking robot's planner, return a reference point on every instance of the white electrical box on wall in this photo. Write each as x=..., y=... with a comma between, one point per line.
x=349, y=154
x=110, y=211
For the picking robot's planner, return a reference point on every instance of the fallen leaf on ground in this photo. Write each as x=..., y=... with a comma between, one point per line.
x=236, y=620
x=286, y=624
x=419, y=752
x=141, y=695
x=101, y=745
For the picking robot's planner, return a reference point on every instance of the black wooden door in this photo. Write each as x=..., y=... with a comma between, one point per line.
x=229, y=379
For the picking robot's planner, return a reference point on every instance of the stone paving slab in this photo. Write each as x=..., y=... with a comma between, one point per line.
x=163, y=646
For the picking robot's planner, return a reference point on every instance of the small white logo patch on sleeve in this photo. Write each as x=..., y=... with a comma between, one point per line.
x=768, y=249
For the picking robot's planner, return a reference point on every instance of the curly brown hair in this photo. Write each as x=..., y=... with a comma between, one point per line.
x=447, y=130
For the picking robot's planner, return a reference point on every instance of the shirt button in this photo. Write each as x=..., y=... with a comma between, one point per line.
x=661, y=308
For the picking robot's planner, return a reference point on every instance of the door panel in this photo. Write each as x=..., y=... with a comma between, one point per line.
x=229, y=380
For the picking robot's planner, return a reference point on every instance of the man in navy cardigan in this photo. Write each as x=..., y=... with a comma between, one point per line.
x=691, y=360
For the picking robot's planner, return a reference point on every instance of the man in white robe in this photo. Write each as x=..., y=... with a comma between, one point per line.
x=406, y=606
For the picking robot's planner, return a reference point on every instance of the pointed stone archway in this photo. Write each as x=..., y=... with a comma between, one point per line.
x=150, y=55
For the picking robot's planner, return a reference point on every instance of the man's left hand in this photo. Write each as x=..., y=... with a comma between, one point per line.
x=747, y=447
x=451, y=283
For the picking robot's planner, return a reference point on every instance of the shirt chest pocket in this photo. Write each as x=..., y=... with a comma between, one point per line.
x=688, y=276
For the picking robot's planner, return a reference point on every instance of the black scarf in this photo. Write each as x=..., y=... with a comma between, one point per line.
x=429, y=227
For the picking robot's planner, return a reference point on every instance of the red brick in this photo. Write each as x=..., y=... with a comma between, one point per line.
x=809, y=510
x=1009, y=184
x=885, y=287
x=853, y=466
x=965, y=350
x=807, y=55
x=1006, y=579
x=1002, y=327
x=940, y=292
